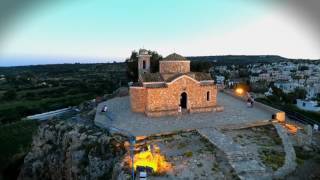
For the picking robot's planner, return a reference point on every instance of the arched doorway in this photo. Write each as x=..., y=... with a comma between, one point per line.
x=143, y=64
x=183, y=100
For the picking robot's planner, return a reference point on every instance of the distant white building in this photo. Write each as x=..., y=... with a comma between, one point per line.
x=261, y=77
x=287, y=87
x=220, y=79
x=269, y=92
x=221, y=69
x=313, y=91
x=313, y=79
x=308, y=105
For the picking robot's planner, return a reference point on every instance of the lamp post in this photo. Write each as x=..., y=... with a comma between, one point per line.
x=239, y=91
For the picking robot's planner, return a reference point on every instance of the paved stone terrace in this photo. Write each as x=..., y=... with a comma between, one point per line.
x=235, y=112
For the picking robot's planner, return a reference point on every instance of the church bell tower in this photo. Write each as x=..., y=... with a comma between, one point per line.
x=143, y=61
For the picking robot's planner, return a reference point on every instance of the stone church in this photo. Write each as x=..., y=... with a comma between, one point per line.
x=173, y=90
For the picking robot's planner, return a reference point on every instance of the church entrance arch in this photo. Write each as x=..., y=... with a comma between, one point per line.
x=183, y=100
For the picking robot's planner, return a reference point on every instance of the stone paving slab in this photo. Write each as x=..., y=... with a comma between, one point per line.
x=235, y=112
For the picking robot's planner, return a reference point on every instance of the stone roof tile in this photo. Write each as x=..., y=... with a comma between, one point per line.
x=199, y=76
x=151, y=77
x=174, y=57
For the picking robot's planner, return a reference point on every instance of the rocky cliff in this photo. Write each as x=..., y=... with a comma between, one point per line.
x=66, y=150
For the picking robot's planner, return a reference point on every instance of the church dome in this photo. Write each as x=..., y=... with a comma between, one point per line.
x=174, y=57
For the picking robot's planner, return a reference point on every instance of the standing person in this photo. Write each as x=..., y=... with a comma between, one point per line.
x=252, y=101
x=104, y=108
x=248, y=102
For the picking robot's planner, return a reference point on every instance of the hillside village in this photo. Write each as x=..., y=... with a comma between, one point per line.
x=288, y=76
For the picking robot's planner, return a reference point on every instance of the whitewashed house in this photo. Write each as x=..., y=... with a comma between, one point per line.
x=269, y=92
x=220, y=79
x=308, y=105
x=313, y=91
x=287, y=87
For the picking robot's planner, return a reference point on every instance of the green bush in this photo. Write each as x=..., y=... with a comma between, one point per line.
x=188, y=154
x=15, y=139
x=272, y=158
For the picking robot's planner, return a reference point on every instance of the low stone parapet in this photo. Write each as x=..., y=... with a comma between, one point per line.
x=290, y=159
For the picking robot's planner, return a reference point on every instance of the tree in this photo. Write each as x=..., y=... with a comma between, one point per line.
x=302, y=68
x=30, y=95
x=318, y=98
x=132, y=63
x=300, y=93
x=259, y=86
x=243, y=73
x=154, y=61
x=278, y=94
x=200, y=66
x=9, y=95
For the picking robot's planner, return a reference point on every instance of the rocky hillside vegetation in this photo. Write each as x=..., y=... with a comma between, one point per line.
x=66, y=150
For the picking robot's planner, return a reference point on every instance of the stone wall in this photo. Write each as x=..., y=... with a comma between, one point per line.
x=138, y=99
x=174, y=67
x=202, y=109
x=290, y=159
x=166, y=101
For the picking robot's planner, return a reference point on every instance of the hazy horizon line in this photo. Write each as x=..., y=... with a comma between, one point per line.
x=98, y=60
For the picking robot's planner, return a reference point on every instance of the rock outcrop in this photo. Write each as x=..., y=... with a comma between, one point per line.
x=66, y=150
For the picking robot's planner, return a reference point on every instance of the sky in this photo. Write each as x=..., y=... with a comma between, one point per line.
x=69, y=31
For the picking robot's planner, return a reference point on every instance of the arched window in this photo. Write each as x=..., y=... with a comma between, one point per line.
x=208, y=96
x=144, y=64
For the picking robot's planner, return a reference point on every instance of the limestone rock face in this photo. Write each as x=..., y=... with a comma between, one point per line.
x=66, y=150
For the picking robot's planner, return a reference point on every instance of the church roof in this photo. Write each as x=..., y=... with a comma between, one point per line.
x=157, y=77
x=174, y=57
x=199, y=76
x=151, y=77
